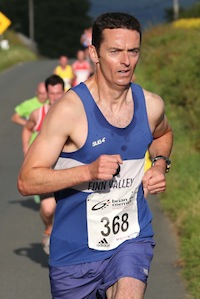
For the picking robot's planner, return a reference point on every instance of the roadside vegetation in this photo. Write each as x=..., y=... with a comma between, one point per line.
x=17, y=53
x=169, y=66
x=57, y=26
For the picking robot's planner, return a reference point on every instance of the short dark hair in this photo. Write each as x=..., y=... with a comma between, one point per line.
x=54, y=80
x=113, y=20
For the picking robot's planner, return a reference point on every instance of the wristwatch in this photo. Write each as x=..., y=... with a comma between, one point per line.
x=167, y=160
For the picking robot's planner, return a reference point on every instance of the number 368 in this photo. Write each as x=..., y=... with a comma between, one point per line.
x=114, y=226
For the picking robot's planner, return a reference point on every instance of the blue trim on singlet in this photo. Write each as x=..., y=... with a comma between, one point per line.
x=69, y=235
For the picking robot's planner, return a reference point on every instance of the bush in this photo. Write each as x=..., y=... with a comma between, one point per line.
x=171, y=57
x=187, y=23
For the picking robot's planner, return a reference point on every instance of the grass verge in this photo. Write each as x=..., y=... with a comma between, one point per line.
x=169, y=67
x=18, y=53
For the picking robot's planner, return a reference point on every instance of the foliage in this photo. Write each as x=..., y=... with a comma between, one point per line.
x=169, y=66
x=192, y=12
x=187, y=23
x=16, y=54
x=174, y=56
x=58, y=24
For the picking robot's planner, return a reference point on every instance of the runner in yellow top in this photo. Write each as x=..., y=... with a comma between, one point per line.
x=65, y=71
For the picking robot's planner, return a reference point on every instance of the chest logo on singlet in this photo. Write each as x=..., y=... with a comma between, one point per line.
x=99, y=141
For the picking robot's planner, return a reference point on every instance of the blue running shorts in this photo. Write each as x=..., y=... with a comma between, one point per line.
x=91, y=280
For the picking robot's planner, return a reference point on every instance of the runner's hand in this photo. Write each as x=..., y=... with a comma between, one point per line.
x=105, y=167
x=154, y=180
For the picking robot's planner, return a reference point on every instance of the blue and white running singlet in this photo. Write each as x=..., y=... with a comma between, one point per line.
x=93, y=219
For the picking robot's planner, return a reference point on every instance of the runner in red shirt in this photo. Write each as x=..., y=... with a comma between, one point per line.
x=81, y=67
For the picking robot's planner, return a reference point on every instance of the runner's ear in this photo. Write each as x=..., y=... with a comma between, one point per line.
x=93, y=54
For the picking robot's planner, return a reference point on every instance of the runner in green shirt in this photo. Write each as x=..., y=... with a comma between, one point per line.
x=24, y=109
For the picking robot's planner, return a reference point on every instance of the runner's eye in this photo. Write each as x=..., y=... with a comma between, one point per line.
x=114, y=51
x=134, y=52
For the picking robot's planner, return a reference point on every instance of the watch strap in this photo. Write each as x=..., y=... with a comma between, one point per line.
x=166, y=159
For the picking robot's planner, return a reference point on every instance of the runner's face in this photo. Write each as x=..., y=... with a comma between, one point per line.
x=42, y=93
x=118, y=55
x=55, y=92
x=63, y=61
x=81, y=56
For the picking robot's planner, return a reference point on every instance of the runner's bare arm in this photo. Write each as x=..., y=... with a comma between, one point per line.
x=60, y=125
x=26, y=137
x=16, y=118
x=154, y=179
x=27, y=131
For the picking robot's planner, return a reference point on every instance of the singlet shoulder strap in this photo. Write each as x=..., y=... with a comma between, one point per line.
x=84, y=94
x=42, y=112
x=91, y=108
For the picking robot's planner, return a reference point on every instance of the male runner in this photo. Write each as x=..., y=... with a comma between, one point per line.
x=91, y=152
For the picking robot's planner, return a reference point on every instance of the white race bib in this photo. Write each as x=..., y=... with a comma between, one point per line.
x=112, y=218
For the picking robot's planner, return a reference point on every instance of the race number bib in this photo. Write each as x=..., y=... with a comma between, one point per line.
x=112, y=218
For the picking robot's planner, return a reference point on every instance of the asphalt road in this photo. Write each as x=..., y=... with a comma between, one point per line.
x=23, y=265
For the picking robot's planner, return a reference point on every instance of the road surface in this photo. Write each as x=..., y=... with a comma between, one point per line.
x=23, y=265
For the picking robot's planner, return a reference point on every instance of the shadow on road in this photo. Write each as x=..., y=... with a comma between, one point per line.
x=34, y=253
x=27, y=203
